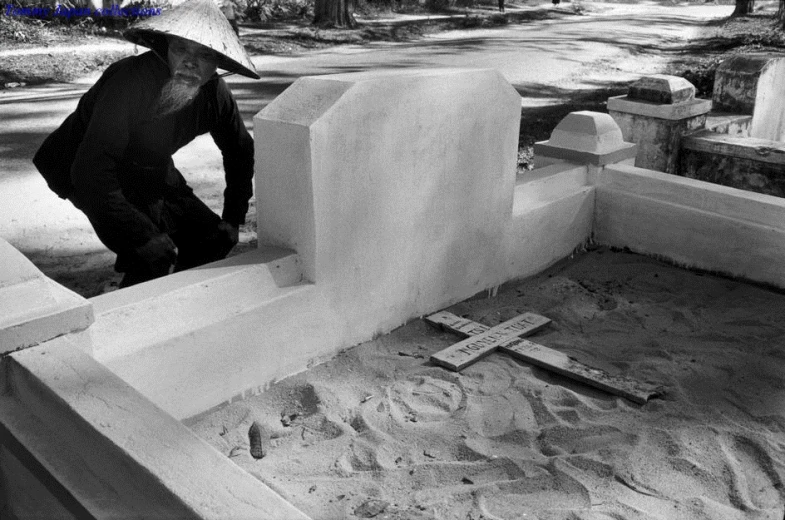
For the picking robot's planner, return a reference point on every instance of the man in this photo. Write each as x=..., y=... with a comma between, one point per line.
x=113, y=156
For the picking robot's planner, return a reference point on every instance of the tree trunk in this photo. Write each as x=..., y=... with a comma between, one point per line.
x=743, y=7
x=334, y=13
x=781, y=14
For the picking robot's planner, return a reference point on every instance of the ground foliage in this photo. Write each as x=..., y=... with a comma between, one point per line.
x=755, y=33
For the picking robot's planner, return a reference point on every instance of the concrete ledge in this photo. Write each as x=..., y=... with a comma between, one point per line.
x=663, y=89
x=627, y=151
x=185, y=302
x=552, y=216
x=746, y=163
x=762, y=150
x=34, y=308
x=692, y=222
x=703, y=196
x=39, y=310
x=113, y=451
x=30, y=486
x=548, y=184
x=691, y=108
x=730, y=124
x=282, y=265
x=242, y=354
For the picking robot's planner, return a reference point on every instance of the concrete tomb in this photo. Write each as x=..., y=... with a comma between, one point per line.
x=735, y=139
x=743, y=145
x=655, y=114
x=751, y=84
x=382, y=197
x=33, y=308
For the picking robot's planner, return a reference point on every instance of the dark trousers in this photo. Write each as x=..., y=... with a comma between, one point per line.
x=191, y=225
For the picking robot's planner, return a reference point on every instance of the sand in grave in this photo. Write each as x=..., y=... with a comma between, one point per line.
x=381, y=430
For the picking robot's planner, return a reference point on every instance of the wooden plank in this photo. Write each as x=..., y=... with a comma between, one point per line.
x=562, y=364
x=554, y=361
x=452, y=323
x=481, y=342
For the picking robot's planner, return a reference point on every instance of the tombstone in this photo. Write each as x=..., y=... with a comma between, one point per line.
x=585, y=137
x=752, y=84
x=656, y=112
x=394, y=187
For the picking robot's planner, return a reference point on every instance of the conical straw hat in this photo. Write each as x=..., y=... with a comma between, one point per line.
x=199, y=21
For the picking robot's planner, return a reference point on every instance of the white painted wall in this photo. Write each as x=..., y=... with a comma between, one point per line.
x=694, y=223
x=768, y=118
x=395, y=187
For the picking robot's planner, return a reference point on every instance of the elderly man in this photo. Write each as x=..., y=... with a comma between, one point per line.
x=113, y=156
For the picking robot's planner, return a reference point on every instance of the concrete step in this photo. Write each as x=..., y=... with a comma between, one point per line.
x=79, y=442
x=168, y=307
x=745, y=163
x=34, y=308
x=730, y=124
x=543, y=186
x=752, y=148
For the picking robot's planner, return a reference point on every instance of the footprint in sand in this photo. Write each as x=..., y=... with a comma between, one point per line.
x=496, y=415
x=366, y=455
x=573, y=302
x=657, y=287
x=489, y=378
x=561, y=439
x=552, y=495
x=754, y=481
x=425, y=398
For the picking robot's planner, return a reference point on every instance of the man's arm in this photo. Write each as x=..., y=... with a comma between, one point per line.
x=97, y=190
x=236, y=145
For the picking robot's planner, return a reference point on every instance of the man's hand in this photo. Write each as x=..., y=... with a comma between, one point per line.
x=159, y=253
x=230, y=232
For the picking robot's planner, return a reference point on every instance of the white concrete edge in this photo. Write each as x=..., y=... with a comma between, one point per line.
x=693, y=223
x=674, y=112
x=549, y=232
x=115, y=443
x=742, y=205
x=608, y=155
x=547, y=184
x=740, y=147
x=192, y=277
x=39, y=309
x=190, y=306
x=212, y=364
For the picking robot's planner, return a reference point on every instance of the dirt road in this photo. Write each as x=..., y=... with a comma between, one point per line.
x=545, y=60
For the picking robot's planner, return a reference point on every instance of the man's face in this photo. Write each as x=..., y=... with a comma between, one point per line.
x=190, y=62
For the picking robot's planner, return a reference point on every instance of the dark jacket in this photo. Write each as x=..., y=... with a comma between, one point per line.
x=112, y=156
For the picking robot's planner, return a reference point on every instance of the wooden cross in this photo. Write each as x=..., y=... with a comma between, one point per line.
x=506, y=337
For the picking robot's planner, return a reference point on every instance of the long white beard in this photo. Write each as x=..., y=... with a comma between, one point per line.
x=174, y=96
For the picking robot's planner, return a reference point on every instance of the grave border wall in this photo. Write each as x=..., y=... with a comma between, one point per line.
x=80, y=408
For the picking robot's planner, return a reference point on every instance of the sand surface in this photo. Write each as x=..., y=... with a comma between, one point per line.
x=380, y=432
